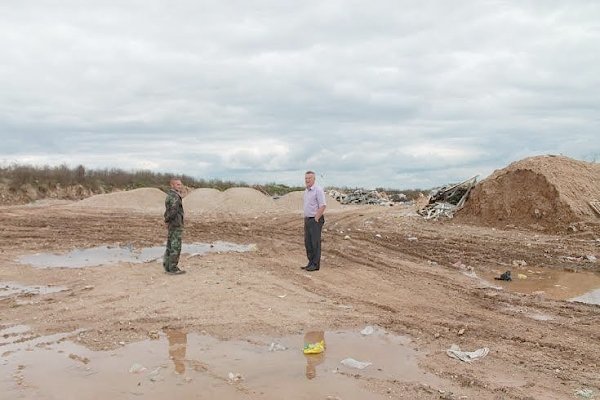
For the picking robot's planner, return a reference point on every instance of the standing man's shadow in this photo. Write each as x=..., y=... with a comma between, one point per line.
x=312, y=360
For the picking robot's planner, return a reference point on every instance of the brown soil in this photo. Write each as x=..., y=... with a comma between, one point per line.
x=398, y=272
x=545, y=192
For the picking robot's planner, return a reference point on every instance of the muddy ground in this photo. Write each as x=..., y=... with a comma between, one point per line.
x=381, y=266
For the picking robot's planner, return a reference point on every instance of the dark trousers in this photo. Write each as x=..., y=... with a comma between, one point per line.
x=312, y=240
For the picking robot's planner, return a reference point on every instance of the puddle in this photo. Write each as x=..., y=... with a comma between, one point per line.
x=189, y=365
x=581, y=286
x=103, y=255
x=8, y=289
x=592, y=297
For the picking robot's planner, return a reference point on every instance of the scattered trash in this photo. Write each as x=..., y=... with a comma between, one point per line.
x=235, y=377
x=589, y=258
x=412, y=238
x=369, y=330
x=467, y=356
x=522, y=276
x=461, y=332
x=378, y=235
x=282, y=296
x=519, y=263
x=595, y=206
x=362, y=196
x=352, y=363
x=154, y=376
x=347, y=237
x=585, y=393
x=277, y=347
x=504, y=277
x=314, y=348
x=136, y=368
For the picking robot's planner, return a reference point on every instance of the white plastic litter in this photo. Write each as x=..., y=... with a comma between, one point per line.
x=467, y=356
x=136, y=368
x=369, y=330
x=235, y=377
x=352, y=363
x=585, y=393
x=277, y=347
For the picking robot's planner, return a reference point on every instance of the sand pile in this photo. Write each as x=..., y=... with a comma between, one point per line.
x=293, y=202
x=545, y=191
x=144, y=199
x=239, y=200
x=202, y=200
x=234, y=200
x=246, y=200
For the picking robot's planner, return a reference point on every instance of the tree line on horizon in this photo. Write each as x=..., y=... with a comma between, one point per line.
x=15, y=176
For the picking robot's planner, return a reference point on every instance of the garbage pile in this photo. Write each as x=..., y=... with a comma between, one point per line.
x=446, y=201
x=362, y=196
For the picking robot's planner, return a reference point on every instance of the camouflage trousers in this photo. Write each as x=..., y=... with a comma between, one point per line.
x=173, y=250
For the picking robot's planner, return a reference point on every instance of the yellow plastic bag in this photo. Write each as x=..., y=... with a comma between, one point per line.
x=314, y=348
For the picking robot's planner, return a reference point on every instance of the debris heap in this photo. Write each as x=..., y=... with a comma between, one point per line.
x=446, y=201
x=362, y=196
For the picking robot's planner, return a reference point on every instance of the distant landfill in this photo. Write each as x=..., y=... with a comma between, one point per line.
x=362, y=196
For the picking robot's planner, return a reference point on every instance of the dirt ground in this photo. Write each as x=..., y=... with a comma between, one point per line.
x=381, y=266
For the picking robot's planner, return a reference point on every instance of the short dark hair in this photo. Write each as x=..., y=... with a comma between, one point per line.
x=310, y=172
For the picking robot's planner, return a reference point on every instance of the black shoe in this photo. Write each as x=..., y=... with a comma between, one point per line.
x=306, y=266
x=312, y=268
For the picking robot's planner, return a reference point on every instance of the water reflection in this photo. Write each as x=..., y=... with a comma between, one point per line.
x=581, y=286
x=312, y=360
x=104, y=255
x=177, y=348
x=79, y=372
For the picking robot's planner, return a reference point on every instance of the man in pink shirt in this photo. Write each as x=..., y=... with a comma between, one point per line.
x=314, y=207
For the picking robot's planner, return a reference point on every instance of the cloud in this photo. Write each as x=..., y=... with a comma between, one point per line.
x=383, y=93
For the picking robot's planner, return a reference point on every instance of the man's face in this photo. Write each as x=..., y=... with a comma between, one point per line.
x=177, y=186
x=309, y=180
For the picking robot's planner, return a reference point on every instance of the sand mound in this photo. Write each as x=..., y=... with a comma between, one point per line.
x=293, y=202
x=234, y=200
x=246, y=200
x=137, y=199
x=202, y=200
x=545, y=191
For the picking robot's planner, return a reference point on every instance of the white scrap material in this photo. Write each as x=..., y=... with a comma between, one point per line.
x=368, y=330
x=467, y=356
x=585, y=393
x=352, y=363
x=277, y=347
x=235, y=377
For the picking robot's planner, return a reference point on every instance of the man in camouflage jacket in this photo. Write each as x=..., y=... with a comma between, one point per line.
x=174, y=220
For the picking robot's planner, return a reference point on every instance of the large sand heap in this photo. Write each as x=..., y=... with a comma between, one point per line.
x=202, y=200
x=544, y=191
x=234, y=200
x=293, y=201
x=139, y=199
x=238, y=200
x=246, y=200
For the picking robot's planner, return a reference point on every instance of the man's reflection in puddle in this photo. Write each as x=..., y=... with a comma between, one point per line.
x=177, y=348
x=312, y=360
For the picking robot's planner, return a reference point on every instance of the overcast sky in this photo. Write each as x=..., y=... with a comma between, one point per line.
x=400, y=94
